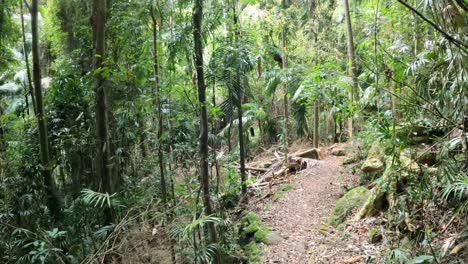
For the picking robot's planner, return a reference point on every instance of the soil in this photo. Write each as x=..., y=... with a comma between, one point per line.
x=299, y=216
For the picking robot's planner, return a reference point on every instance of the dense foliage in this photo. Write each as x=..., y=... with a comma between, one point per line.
x=124, y=101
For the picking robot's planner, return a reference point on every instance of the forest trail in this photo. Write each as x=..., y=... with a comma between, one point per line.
x=300, y=219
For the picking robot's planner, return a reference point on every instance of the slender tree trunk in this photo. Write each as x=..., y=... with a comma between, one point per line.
x=351, y=66
x=2, y=137
x=286, y=99
x=158, y=105
x=395, y=101
x=103, y=154
x=239, y=109
x=316, y=124
x=52, y=197
x=159, y=108
x=26, y=61
x=229, y=134
x=198, y=48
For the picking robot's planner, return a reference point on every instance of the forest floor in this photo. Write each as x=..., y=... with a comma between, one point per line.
x=299, y=211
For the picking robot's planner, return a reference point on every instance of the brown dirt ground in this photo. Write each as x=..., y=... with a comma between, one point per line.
x=300, y=219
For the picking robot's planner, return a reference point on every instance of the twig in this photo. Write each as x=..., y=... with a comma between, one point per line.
x=446, y=35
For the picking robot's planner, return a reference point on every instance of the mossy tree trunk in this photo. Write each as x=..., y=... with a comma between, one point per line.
x=351, y=67
x=239, y=107
x=52, y=196
x=103, y=155
x=198, y=49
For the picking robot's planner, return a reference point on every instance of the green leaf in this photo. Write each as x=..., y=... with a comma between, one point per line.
x=421, y=259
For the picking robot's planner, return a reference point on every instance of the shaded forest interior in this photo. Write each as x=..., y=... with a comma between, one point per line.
x=172, y=131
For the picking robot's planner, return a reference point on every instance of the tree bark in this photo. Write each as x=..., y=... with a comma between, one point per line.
x=198, y=48
x=103, y=154
x=158, y=105
x=239, y=109
x=285, y=99
x=52, y=197
x=26, y=61
x=159, y=108
x=2, y=137
x=316, y=124
x=351, y=66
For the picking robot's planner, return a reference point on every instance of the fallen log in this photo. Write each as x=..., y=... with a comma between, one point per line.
x=313, y=153
x=255, y=169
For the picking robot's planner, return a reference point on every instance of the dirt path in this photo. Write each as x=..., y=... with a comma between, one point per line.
x=300, y=219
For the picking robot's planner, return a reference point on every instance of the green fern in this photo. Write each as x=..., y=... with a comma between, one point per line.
x=459, y=192
x=98, y=199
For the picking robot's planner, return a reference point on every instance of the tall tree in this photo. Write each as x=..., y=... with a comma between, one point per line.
x=26, y=59
x=197, y=39
x=284, y=34
x=239, y=106
x=52, y=197
x=2, y=136
x=158, y=105
x=351, y=65
x=103, y=154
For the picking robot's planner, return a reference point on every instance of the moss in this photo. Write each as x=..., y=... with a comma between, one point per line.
x=375, y=235
x=253, y=252
x=263, y=235
x=287, y=187
x=376, y=151
x=252, y=233
x=338, y=152
x=252, y=228
x=349, y=160
x=280, y=193
x=353, y=199
x=382, y=195
x=249, y=218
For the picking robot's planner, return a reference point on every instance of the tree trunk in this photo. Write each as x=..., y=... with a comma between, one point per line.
x=159, y=108
x=52, y=197
x=103, y=154
x=316, y=124
x=26, y=61
x=351, y=66
x=286, y=99
x=197, y=39
x=395, y=99
x=2, y=138
x=239, y=109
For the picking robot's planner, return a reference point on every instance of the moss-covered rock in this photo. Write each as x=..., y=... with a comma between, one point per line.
x=249, y=225
x=372, y=165
x=349, y=160
x=252, y=234
x=375, y=160
x=353, y=199
x=381, y=196
x=338, y=152
x=253, y=252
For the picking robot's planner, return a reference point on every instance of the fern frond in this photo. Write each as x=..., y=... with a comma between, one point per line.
x=97, y=199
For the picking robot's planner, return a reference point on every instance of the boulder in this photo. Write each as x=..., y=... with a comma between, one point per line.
x=338, y=152
x=268, y=238
x=352, y=200
x=372, y=165
x=407, y=162
x=253, y=252
x=375, y=160
x=381, y=196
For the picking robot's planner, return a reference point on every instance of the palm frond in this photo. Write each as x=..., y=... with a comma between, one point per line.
x=97, y=199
